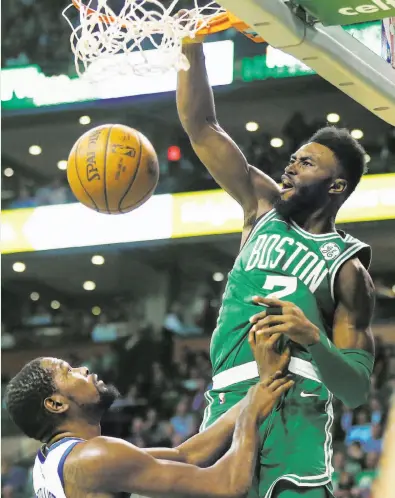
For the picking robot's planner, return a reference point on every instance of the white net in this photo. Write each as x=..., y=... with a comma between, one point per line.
x=145, y=37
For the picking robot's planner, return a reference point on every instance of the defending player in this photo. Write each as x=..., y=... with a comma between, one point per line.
x=290, y=249
x=63, y=406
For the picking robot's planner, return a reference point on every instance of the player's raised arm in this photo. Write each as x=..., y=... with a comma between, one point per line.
x=205, y=447
x=253, y=190
x=112, y=465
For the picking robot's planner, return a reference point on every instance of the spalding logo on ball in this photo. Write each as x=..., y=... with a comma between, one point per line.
x=113, y=169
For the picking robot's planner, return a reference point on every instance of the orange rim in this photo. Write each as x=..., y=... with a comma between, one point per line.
x=221, y=22
x=102, y=18
x=216, y=24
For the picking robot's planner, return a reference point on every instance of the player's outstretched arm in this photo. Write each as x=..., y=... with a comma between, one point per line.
x=205, y=447
x=112, y=465
x=253, y=190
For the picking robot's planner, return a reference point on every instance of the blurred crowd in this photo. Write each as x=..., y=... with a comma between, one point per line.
x=188, y=174
x=35, y=33
x=43, y=322
x=163, y=401
x=381, y=155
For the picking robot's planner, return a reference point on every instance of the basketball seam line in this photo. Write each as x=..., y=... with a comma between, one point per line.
x=135, y=173
x=79, y=178
x=141, y=198
x=105, y=168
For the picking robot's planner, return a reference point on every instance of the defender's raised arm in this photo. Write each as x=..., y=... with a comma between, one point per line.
x=112, y=465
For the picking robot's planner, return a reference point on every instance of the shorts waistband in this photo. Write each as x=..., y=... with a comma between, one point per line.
x=249, y=371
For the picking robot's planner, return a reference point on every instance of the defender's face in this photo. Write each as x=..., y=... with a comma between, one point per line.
x=313, y=166
x=79, y=385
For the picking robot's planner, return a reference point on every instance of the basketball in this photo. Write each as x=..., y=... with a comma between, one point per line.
x=113, y=169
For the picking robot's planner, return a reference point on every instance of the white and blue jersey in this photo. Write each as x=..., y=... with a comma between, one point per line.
x=48, y=469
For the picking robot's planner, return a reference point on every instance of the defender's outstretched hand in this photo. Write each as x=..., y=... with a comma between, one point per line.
x=264, y=395
x=268, y=359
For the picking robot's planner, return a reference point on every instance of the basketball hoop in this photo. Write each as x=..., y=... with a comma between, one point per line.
x=106, y=43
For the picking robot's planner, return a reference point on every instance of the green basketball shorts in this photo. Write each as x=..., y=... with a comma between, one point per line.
x=296, y=441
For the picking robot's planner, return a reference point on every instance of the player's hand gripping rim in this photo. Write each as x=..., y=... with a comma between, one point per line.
x=184, y=15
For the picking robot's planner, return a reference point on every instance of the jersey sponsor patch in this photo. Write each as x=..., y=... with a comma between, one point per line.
x=330, y=250
x=221, y=398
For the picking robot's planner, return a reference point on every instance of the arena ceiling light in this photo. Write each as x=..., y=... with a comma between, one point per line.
x=97, y=259
x=332, y=117
x=85, y=120
x=8, y=172
x=34, y=296
x=89, y=285
x=276, y=142
x=252, y=126
x=55, y=305
x=218, y=276
x=19, y=267
x=62, y=165
x=357, y=134
x=96, y=310
x=35, y=150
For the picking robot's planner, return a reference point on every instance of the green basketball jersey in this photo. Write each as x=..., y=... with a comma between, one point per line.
x=280, y=259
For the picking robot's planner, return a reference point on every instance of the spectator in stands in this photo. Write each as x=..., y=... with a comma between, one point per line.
x=374, y=442
x=24, y=200
x=355, y=458
x=199, y=401
x=376, y=410
x=381, y=362
x=366, y=477
x=13, y=479
x=183, y=422
x=361, y=430
x=137, y=432
x=345, y=486
x=339, y=465
x=55, y=193
x=156, y=431
x=175, y=323
x=192, y=382
x=40, y=316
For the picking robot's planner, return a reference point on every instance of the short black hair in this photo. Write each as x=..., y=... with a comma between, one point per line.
x=24, y=398
x=348, y=151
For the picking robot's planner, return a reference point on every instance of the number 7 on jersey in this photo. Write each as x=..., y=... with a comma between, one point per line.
x=288, y=284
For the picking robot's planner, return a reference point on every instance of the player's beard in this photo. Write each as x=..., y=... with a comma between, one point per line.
x=305, y=200
x=107, y=395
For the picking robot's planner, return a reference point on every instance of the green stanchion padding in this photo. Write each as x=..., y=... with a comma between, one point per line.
x=340, y=12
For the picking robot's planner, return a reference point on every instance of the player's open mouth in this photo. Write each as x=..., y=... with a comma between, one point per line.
x=287, y=185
